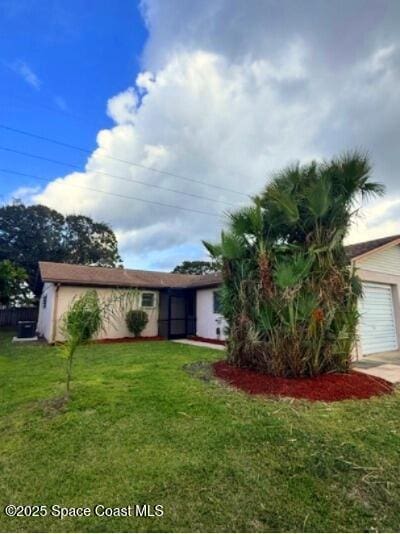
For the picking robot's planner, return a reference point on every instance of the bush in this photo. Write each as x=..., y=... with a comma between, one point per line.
x=136, y=321
x=289, y=293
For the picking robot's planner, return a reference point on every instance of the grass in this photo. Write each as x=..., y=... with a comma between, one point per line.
x=140, y=429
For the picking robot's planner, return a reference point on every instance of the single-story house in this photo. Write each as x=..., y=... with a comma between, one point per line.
x=178, y=305
x=181, y=305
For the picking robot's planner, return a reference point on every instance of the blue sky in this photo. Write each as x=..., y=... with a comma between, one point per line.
x=59, y=64
x=223, y=93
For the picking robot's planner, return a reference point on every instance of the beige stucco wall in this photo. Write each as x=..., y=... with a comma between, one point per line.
x=117, y=328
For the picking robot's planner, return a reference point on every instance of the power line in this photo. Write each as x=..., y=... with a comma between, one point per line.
x=54, y=109
x=130, y=180
x=87, y=151
x=17, y=173
x=84, y=117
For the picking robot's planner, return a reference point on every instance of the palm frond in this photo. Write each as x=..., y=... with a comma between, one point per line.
x=318, y=197
x=233, y=246
x=247, y=221
x=284, y=201
x=214, y=249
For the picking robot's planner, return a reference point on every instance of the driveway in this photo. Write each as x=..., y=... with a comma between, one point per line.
x=384, y=365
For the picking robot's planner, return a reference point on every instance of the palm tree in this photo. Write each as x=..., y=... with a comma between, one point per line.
x=289, y=294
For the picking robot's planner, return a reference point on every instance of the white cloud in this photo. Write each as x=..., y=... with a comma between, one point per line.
x=379, y=59
x=122, y=108
x=195, y=119
x=25, y=71
x=23, y=194
x=377, y=220
x=228, y=106
x=60, y=103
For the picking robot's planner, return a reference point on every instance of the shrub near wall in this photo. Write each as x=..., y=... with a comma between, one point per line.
x=136, y=321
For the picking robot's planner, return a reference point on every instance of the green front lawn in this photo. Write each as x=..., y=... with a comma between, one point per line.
x=139, y=429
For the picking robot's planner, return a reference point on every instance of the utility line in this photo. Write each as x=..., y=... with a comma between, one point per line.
x=9, y=171
x=84, y=119
x=86, y=151
x=130, y=180
x=54, y=109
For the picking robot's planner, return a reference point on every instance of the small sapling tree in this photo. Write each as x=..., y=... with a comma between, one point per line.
x=86, y=317
x=80, y=324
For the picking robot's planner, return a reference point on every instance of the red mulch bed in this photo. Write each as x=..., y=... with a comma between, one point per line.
x=208, y=340
x=328, y=387
x=130, y=339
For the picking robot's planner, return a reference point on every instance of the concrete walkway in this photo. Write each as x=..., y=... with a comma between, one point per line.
x=199, y=344
x=384, y=365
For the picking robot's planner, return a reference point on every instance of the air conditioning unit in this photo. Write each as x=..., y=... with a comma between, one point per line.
x=26, y=329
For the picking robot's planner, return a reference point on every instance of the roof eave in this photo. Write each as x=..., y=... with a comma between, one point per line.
x=67, y=282
x=206, y=286
x=393, y=243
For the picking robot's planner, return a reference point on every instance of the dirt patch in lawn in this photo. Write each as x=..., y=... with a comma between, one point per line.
x=53, y=407
x=129, y=339
x=328, y=387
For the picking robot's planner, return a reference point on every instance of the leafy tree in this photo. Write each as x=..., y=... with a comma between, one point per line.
x=196, y=267
x=289, y=294
x=13, y=284
x=29, y=234
x=87, y=242
x=136, y=321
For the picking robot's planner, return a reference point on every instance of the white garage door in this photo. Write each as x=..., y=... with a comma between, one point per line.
x=378, y=327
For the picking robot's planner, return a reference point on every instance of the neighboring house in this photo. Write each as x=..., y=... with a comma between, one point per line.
x=180, y=305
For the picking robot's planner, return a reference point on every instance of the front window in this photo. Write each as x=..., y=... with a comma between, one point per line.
x=217, y=302
x=148, y=300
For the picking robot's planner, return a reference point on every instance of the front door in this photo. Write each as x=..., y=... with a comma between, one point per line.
x=177, y=317
x=177, y=313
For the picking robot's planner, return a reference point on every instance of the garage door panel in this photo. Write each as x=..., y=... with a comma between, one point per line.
x=377, y=322
x=380, y=320
x=385, y=314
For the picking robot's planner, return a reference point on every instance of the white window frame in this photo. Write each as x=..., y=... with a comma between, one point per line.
x=154, y=295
